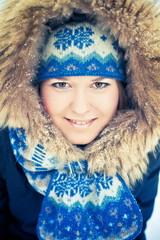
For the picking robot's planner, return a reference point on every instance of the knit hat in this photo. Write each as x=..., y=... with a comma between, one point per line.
x=81, y=49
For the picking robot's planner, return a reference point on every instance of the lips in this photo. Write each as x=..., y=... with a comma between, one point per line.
x=80, y=122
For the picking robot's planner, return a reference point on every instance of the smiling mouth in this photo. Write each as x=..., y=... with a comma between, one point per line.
x=81, y=122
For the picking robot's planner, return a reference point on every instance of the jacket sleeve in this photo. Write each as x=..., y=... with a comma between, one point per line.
x=4, y=203
x=4, y=210
x=145, y=192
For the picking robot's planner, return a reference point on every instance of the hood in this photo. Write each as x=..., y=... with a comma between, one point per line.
x=123, y=146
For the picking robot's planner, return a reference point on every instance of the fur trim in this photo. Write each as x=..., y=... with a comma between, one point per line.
x=123, y=145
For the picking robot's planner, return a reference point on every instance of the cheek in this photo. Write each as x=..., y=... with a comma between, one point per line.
x=108, y=104
x=53, y=102
x=48, y=100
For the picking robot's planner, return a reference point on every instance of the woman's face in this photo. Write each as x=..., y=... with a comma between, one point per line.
x=80, y=106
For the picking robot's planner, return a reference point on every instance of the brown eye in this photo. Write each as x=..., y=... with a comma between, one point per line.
x=100, y=85
x=60, y=85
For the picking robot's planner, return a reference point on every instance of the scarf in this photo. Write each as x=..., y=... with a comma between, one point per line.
x=77, y=205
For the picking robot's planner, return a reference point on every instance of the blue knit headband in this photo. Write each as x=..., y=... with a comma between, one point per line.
x=80, y=49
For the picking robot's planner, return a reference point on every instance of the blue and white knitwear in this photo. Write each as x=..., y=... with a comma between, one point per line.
x=77, y=205
x=81, y=49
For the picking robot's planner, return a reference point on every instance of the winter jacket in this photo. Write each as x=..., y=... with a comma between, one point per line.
x=123, y=146
x=20, y=204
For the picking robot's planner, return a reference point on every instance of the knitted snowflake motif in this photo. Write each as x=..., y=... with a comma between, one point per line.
x=82, y=37
x=65, y=38
x=105, y=184
x=76, y=183
x=79, y=38
x=104, y=38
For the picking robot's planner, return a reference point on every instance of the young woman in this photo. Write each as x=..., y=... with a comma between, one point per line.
x=74, y=141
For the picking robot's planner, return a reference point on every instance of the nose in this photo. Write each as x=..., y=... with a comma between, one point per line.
x=80, y=102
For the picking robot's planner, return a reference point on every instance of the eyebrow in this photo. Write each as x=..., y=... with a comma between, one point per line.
x=61, y=78
x=98, y=79
x=94, y=80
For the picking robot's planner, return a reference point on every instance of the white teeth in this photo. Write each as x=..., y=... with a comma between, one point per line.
x=80, y=123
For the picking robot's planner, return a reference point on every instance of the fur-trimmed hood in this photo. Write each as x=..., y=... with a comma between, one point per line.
x=123, y=145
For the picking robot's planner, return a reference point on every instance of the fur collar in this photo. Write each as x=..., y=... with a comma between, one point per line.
x=123, y=145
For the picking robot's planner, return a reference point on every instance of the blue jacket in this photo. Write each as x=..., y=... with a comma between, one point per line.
x=20, y=204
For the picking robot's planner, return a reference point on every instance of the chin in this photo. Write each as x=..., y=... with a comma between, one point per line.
x=81, y=141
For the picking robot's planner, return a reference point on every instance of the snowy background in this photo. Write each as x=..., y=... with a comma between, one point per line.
x=153, y=226
x=1, y=2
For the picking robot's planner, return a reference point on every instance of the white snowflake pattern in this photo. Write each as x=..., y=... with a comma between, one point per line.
x=92, y=67
x=71, y=67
